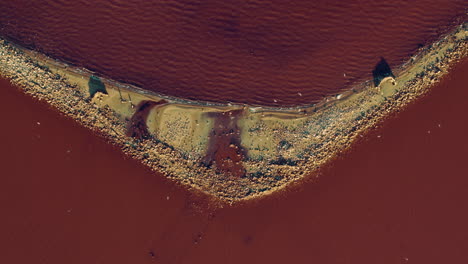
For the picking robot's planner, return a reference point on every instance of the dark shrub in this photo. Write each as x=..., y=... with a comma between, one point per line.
x=95, y=85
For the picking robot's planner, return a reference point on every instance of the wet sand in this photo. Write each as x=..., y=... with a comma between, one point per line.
x=398, y=196
x=233, y=152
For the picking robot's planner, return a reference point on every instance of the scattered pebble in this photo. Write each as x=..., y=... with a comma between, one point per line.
x=70, y=101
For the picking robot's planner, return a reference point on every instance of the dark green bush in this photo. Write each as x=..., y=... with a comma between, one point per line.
x=95, y=85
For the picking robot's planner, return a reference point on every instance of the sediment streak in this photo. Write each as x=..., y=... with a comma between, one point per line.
x=233, y=152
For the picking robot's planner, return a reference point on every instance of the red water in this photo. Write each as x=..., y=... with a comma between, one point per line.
x=399, y=196
x=258, y=52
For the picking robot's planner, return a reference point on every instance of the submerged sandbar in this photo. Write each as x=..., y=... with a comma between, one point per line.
x=233, y=152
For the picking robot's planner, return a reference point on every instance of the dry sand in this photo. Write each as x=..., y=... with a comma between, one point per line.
x=276, y=146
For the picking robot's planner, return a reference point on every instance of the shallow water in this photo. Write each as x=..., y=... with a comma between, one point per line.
x=257, y=52
x=399, y=196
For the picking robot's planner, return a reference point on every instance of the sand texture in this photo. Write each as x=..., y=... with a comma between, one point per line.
x=233, y=152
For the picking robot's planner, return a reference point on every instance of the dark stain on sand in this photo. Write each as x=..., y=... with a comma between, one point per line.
x=137, y=127
x=225, y=149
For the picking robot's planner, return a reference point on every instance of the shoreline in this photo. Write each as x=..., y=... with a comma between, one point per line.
x=275, y=146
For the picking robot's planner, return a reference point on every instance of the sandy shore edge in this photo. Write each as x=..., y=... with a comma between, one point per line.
x=267, y=148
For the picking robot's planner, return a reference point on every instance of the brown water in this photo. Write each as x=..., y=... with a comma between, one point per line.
x=257, y=52
x=399, y=196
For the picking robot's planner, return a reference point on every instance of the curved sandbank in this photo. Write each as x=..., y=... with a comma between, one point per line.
x=233, y=152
